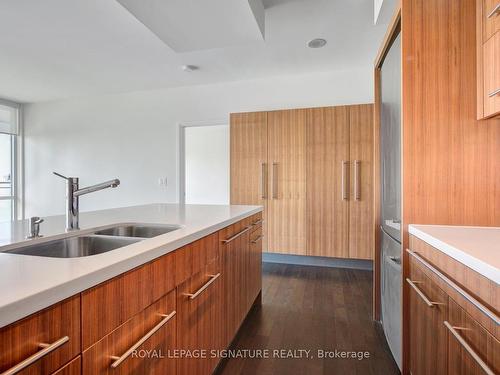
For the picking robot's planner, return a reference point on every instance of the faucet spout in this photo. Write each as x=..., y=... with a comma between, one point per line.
x=73, y=193
x=103, y=185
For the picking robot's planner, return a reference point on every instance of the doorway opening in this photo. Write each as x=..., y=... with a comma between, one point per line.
x=204, y=164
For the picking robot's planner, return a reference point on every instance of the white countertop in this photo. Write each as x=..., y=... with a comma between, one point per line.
x=31, y=283
x=476, y=247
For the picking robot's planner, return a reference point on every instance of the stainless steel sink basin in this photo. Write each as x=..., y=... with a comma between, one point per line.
x=138, y=230
x=74, y=247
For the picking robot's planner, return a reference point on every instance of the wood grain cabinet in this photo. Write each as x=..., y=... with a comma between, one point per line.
x=488, y=58
x=316, y=183
x=472, y=350
x=200, y=321
x=139, y=346
x=42, y=342
x=453, y=323
x=428, y=309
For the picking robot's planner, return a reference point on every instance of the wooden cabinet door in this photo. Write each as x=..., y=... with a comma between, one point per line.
x=254, y=267
x=287, y=195
x=361, y=229
x=199, y=321
x=327, y=185
x=491, y=71
x=491, y=19
x=249, y=166
x=54, y=330
x=427, y=335
x=156, y=324
x=234, y=244
x=471, y=349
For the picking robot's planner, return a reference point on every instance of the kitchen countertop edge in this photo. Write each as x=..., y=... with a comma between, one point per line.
x=483, y=268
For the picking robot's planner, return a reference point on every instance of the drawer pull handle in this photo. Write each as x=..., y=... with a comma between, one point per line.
x=46, y=349
x=490, y=314
x=495, y=11
x=494, y=93
x=257, y=239
x=237, y=234
x=467, y=347
x=427, y=301
x=124, y=356
x=205, y=286
x=260, y=221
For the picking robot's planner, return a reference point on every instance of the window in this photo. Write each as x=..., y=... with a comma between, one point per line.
x=9, y=118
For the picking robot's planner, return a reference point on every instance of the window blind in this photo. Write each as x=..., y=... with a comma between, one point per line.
x=8, y=119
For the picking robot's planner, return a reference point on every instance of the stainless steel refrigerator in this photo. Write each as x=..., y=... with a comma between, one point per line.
x=390, y=167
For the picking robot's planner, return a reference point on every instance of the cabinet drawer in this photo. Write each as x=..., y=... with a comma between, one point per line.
x=428, y=308
x=491, y=71
x=491, y=20
x=108, y=305
x=154, y=329
x=72, y=368
x=58, y=326
x=192, y=258
x=471, y=349
x=200, y=324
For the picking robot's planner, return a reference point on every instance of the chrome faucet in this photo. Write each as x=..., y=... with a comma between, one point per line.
x=73, y=193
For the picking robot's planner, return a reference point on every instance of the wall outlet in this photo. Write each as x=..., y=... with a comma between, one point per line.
x=162, y=181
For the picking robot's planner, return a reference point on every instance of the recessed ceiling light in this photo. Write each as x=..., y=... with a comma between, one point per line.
x=316, y=43
x=189, y=68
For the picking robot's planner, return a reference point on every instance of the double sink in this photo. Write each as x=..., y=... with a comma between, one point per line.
x=96, y=242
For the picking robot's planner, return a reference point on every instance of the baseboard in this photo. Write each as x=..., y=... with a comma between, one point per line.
x=359, y=264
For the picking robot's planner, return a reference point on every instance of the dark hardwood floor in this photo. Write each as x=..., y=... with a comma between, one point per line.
x=311, y=308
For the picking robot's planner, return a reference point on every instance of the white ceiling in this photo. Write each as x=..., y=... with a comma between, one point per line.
x=56, y=49
x=193, y=25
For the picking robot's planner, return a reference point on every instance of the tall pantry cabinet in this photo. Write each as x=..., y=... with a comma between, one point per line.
x=311, y=169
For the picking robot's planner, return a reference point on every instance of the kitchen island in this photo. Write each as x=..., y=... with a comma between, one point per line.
x=188, y=289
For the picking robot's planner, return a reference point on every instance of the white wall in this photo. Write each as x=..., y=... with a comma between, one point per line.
x=134, y=136
x=206, y=150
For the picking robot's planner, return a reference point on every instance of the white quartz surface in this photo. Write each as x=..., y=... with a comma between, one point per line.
x=476, y=247
x=31, y=283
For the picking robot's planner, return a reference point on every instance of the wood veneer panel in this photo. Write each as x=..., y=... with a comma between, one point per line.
x=20, y=340
x=287, y=209
x=481, y=288
x=327, y=213
x=248, y=149
x=451, y=169
x=200, y=321
x=361, y=210
x=460, y=362
x=428, y=335
x=108, y=305
x=96, y=359
x=490, y=25
x=491, y=71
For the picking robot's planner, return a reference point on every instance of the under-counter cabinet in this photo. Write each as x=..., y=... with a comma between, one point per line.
x=428, y=309
x=172, y=315
x=43, y=342
x=471, y=348
x=200, y=321
x=452, y=315
x=139, y=346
